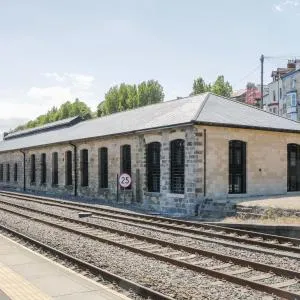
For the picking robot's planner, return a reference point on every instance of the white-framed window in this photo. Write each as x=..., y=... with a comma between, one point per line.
x=294, y=100
x=293, y=83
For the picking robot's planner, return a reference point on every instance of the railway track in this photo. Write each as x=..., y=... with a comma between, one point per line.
x=229, y=268
x=185, y=227
x=106, y=275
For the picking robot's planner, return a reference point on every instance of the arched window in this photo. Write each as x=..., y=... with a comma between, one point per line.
x=103, y=167
x=153, y=166
x=32, y=168
x=15, y=172
x=8, y=172
x=177, y=166
x=84, y=167
x=237, y=167
x=43, y=168
x=1, y=172
x=54, y=168
x=126, y=159
x=293, y=167
x=68, y=167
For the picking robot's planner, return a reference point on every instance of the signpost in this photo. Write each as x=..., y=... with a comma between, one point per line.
x=124, y=181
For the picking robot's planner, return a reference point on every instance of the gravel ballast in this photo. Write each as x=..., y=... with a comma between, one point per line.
x=252, y=255
x=176, y=282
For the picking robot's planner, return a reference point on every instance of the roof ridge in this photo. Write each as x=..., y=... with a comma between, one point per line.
x=140, y=107
x=254, y=107
x=197, y=114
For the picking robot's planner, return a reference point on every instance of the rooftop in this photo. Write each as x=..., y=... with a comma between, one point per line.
x=206, y=109
x=49, y=126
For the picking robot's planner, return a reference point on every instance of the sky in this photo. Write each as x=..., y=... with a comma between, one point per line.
x=52, y=51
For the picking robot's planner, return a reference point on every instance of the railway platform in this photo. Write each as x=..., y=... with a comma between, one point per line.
x=25, y=274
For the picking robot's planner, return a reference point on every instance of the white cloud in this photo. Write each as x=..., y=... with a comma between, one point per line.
x=79, y=81
x=55, y=76
x=277, y=7
x=50, y=96
x=285, y=4
x=19, y=106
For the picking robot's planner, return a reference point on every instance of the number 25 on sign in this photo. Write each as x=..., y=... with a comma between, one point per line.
x=125, y=180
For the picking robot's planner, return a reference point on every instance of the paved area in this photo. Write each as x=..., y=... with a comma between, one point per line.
x=281, y=201
x=25, y=274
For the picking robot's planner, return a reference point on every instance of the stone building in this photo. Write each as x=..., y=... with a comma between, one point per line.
x=178, y=153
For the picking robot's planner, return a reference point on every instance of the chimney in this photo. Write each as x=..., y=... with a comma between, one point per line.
x=291, y=64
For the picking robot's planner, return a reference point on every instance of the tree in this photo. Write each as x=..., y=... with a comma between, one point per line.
x=251, y=85
x=199, y=86
x=66, y=110
x=126, y=96
x=221, y=88
x=79, y=108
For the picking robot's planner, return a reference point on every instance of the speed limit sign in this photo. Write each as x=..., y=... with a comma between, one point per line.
x=125, y=180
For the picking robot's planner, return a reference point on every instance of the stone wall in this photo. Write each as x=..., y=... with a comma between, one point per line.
x=163, y=202
x=266, y=168
x=266, y=161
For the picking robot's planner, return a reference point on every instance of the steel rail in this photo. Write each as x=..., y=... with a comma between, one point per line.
x=234, y=279
x=124, y=283
x=254, y=234
x=165, y=223
x=212, y=254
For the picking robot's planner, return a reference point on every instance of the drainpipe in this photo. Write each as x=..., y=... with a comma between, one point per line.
x=75, y=168
x=24, y=170
x=204, y=163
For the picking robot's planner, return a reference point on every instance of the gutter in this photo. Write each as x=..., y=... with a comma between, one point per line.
x=75, y=168
x=24, y=170
x=246, y=127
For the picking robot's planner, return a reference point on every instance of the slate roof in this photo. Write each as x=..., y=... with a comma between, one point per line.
x=49, y=126
x=202, y=109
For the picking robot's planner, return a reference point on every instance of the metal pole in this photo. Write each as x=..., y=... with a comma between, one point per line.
x=262, y=80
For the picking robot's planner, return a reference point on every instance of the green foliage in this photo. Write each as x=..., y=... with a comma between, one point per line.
x=126, y=96
x=199, y=86
x=66, y=110
x=219, y=87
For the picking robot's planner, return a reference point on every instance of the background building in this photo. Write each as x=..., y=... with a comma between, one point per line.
x=283, y=96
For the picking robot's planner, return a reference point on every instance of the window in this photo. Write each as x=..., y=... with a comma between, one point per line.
x=237, y=167
x=8, y=172
x=280, y=93
x=293, y=83
x=43, y=168
x=103, y=165
x=126, y=159
x=84, y=167
x=294, y=102
x=153, y=166
x=68, y=167
x=1, y=172
x=293, y=167
x=177, y=166
x=15, y=172
x=54, y=168
x=274, y=96
x=32, y=168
